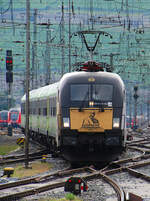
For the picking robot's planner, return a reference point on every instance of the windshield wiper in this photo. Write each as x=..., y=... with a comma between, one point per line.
x=83, y=101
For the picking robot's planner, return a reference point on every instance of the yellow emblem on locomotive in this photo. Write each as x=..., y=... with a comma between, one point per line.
x=90, y=122
x=91, y=119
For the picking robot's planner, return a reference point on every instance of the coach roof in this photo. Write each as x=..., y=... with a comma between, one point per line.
x=42, y=92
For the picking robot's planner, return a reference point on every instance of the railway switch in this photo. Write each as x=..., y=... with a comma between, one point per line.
x=8, y=171
x=75, y=185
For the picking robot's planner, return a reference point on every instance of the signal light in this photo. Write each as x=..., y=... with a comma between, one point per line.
x=9, y=66
x=9, y=63
x=82, y=187
x=75, y=185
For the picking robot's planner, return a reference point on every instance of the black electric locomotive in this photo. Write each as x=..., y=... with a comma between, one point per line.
x=82, y=116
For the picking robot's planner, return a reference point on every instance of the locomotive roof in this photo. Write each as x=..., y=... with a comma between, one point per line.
x=100, y=77
x=42, y=92
x=73, y=77
x=15, y=108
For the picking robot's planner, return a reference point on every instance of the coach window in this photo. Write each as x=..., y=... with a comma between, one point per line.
x=54, y=106
x=36, y=106
x=44, y=111
x=50, y=106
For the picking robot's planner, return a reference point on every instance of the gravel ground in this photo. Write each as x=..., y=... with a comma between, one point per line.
x=132, y=184
x=98, y=190
x=5, y=139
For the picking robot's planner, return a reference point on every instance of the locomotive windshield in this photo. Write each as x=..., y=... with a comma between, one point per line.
x=102, y=92
x=94, y=92
x=14, y=116
x=80, y=92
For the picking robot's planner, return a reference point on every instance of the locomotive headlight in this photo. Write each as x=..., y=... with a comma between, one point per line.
x=116, y=122
x=91, y=103
x=66, y=122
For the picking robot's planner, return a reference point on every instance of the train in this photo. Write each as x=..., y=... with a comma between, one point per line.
x=82, y=116
x=3, y=119
x=14, y=117
x=10, y=117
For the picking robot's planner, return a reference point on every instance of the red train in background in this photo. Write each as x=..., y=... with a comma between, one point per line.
x=4, y=119
x=14, y=117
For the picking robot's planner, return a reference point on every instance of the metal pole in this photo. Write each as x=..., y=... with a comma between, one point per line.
x=135, y=106
x=135, y=113
x=27, y=81
x=147, y=112
x=69, y=37
x=47, y=54
x=34, y=53
x=130, y=108
x=9, y=95
x=62, y=41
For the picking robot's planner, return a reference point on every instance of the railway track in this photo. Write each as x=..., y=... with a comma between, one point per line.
x=38, y=184
x=14, y=131
x=21, y=157
x=36, y=151
x=129, y=178
x=26, y=187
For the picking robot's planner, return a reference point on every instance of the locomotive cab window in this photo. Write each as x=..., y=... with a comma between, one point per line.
x=95, y=92
x=80, y=92
x=102, y=92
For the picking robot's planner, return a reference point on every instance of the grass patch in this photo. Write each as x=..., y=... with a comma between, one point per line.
x=68, y=197
x=6, y=149
x=37, y=168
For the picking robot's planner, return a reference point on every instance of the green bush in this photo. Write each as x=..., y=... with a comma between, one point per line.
x=70, y=196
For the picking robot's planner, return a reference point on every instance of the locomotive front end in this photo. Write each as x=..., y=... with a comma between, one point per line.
x=92, y=115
